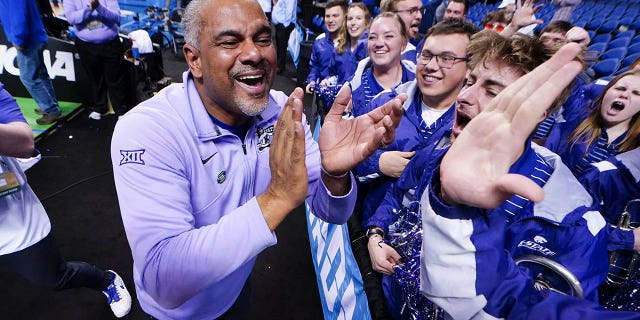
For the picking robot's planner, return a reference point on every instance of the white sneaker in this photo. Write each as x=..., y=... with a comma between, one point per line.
x=118, y=296
x=95, y=115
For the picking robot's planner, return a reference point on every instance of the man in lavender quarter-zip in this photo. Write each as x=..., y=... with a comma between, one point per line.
x=206, y=170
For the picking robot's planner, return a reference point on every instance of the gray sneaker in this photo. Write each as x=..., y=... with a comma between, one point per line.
x=49, y=118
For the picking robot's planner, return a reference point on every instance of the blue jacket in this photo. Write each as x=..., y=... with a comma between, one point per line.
x=344, y=65
x=573, y=154
x=321, y=54
x=614, y=182
x=467, y=262
x=399, y=216
x=411, y=134
x=560, y=306
x=577, y=107
x=405, y=193
x=22, y=23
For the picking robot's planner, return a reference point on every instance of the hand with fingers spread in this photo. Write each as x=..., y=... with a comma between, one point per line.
x=475, y=171
x=523, y=16
x=346, y=142
x=392, y=163
x=289, y=178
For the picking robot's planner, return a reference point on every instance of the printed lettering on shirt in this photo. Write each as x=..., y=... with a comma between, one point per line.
x=536, y=245
x=132, y=157
x=264, y=138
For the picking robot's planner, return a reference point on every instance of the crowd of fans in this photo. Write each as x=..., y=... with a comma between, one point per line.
x=450, y=74
x=507, y=151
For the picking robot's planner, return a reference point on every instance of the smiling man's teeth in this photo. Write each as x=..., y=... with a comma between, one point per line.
x=380, y=52
x=249, y=77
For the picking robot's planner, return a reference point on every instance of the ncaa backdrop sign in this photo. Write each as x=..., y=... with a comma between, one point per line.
x=63, y=65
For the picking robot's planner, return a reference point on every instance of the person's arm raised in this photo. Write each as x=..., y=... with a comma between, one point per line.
x=522, y=17
x=346, y=142
x=475, y=171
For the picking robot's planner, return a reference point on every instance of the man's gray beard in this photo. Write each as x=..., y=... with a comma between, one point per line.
x=252, y=109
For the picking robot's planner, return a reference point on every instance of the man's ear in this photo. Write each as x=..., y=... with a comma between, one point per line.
x=192, y=55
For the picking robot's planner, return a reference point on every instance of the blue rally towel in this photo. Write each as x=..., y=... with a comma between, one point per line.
x=293, y=45
x=339, y=281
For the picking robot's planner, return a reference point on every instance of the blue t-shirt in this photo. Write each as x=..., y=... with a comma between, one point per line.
x=9, y=109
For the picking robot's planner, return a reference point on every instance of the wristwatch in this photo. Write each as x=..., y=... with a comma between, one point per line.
x=375, y=230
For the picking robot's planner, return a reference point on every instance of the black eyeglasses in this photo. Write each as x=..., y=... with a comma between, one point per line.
x=412, y=11
x=443, y=60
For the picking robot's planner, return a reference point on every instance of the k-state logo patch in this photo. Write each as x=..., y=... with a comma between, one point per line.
x=539, y=239
x=131, y=157
x=264, y=138
x=222, y=176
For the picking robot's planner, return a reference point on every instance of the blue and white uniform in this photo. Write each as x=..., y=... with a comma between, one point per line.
x=321, y=55
x=614, y=182
x=576, y=155
x=577, y=107
x=409, y=53
x=343, y=66
x=467, y=265
x=399, y=216
x=413, y=133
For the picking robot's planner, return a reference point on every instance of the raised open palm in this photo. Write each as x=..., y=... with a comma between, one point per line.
x=475, y=171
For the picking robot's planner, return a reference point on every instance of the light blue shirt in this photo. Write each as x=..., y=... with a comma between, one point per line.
x=284, y=12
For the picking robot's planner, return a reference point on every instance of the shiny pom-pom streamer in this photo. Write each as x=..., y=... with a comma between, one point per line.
x=327, y=93
x=405, y=235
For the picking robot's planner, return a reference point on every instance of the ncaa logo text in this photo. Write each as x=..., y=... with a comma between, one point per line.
x=62, y=66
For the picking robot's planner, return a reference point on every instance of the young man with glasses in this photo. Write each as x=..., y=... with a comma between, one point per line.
x=440, y=72
x=493, y=198
x=572, y=229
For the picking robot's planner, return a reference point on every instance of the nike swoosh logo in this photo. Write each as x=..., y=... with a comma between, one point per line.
x=204, y=161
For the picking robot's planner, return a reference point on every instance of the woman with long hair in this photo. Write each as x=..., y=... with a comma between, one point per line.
x=613, y=127
x=352, y=46
x=350, y=49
